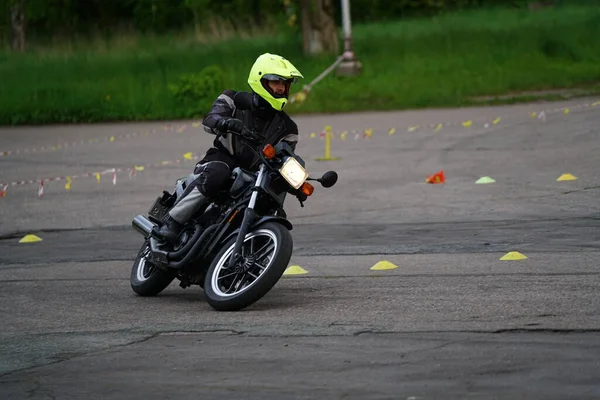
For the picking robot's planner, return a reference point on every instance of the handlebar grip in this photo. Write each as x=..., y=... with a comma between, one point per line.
x=246, y=133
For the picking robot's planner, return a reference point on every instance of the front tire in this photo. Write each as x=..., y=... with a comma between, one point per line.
x=267, y=251
x=147, y=279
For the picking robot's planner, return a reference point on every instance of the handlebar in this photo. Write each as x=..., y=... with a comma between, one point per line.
x=252, y=136
x=247, y=134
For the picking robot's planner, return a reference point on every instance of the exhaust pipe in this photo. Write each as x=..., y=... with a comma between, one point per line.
x=142, y=225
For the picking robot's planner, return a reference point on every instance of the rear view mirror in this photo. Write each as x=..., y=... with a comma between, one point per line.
x=329, y=179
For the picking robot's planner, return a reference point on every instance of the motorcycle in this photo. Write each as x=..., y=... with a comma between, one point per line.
x=238, y=247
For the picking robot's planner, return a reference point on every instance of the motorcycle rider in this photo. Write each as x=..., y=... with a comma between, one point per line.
x=270, y=79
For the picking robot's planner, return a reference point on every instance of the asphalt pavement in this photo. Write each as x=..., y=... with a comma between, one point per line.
x=449, y=319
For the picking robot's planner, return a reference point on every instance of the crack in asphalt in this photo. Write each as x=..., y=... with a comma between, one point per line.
x=149, y=336
x=581, y=190
x=83, y=353
x=231, y=332
x=33, y=393
x=485, y=332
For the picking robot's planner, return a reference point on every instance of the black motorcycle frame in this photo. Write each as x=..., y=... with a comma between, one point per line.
x=259, y=202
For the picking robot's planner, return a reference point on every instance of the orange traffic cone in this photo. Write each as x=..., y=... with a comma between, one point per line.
x=436, y=178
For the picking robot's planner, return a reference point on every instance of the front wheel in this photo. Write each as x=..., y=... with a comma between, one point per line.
x=266, y=253
x=147, y=279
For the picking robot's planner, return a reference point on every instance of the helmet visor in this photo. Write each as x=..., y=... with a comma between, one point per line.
x=274, y=77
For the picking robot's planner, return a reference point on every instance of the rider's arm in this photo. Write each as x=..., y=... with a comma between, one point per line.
x=222, y=108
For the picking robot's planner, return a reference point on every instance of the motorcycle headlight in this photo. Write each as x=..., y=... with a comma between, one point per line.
x=293, y=172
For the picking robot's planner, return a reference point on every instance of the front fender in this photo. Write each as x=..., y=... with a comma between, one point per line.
x=270, y=218
x=259, y=222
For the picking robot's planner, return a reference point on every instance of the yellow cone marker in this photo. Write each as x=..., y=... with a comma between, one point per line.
x=313, y=135
x=497, y=121
x=566, y=177
x=295, y=270
x=139, y=168
x=484, y=179
x=30, y=239
x=513, y=256
x=68, y=184
x=383, y=265
x=438, y=127
x=343, y=135
x=413, y=128
x=188, y=156
x=567, y=111
x=112, y=138
x=392, y=131
x=195, y=124
x=467, y=124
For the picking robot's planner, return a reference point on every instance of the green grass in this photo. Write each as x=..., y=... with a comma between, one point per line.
x=442, y=61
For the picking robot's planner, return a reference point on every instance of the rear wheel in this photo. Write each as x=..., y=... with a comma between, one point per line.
x=146, y=278
x=266, y=253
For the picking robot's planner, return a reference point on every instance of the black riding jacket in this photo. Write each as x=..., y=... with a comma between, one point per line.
x=271, y=125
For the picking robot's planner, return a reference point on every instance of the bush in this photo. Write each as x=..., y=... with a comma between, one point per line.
x=197, y=92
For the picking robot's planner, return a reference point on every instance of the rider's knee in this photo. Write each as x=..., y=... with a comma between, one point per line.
x=213, y=178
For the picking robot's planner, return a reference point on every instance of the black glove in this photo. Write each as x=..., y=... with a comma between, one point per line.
x=230, y=124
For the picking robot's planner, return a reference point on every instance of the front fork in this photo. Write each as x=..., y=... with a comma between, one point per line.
x=249, y=218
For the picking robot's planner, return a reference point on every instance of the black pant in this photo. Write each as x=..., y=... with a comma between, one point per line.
x=210, y=178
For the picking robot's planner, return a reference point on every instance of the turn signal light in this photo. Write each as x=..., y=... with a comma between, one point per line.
x=269, y=152
x=307, y=188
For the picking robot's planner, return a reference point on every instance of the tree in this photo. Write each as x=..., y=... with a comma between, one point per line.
x=319, y=34
x=17, y=23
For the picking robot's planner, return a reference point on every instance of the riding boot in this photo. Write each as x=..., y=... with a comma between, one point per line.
x=170, y=230
x=190, y=204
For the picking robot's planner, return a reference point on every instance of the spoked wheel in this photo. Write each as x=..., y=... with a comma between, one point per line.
x=147, y=279
x=266, y=253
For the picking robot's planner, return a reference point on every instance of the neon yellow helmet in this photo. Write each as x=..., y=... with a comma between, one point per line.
x=271, y=67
